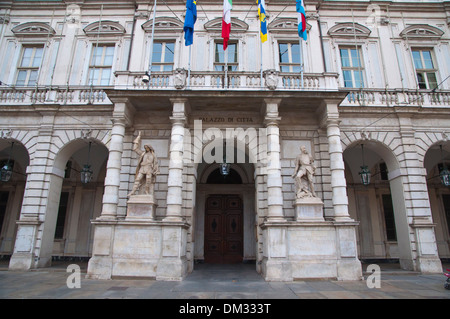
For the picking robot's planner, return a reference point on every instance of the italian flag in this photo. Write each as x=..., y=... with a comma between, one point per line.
x=226, y=22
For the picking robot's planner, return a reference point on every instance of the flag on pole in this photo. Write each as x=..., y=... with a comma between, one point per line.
x=262, y=19
x=226, y=22
x=189, y=21
x=301, y=20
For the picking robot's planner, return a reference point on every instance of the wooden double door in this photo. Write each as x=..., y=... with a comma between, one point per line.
x=223, y=229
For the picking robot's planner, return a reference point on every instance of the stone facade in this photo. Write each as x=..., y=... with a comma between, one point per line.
x=72, y=93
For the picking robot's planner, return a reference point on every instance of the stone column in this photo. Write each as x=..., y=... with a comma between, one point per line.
x=121, y=117
x=338, y=183
x=175, y=178
x=274, y=180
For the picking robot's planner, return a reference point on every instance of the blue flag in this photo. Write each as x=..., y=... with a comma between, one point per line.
x=189, y=21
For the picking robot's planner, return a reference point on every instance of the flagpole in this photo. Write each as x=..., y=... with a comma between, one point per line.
x=189, y=69
x=151, y=47
x=301, y=60
x=261, y=64
x=226, y=67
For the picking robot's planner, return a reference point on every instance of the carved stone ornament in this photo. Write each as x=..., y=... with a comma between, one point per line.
x=349, y=29
x=164, y=24
x=421, y=31
x=271, y=79
x=216, y=25
x=33, y=29
x=179, y=78
x=285, y=25
x=103, y=28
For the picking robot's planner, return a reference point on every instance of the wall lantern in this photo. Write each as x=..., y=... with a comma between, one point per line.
x=365, y=172
x=444, y=173
x=224, y=168
x=6, y=170
x=86, y=172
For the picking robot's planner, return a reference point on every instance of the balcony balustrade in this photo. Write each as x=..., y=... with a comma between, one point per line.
x=179, y=79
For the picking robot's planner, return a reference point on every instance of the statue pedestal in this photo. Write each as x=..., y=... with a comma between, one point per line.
x=141, y=207
x=308, y=209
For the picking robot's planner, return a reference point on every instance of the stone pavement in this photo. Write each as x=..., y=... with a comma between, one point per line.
x=217, y=282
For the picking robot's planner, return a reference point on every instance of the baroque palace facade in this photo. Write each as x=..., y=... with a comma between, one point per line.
x=81, y=79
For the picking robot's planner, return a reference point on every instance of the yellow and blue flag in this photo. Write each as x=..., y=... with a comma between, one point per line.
x=262, y=19
x=189, y=21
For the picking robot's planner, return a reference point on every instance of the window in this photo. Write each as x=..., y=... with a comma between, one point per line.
x=29, y=65
x=388, y=209
x=446, y=201
x=352, y=67
x=3, y=203
x=232, y=57
x=425, y=71
x=163, y=56
x=100, y=65
x=289, y=57
x=62, y=212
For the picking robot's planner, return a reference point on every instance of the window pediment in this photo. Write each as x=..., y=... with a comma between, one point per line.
x=103, y=28
x=349, y=29
x=164, y=24
x=33, y=29
x=421, y=31
x=236, y=25
x=284, y=25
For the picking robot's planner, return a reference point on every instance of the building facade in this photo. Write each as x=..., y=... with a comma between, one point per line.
x=375, y=93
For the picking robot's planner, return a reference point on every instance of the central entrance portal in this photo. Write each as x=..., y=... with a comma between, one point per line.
x=223, y=229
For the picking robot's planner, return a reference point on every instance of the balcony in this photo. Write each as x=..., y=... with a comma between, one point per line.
x=53, y=95
x=396, y=97
x=180, y=80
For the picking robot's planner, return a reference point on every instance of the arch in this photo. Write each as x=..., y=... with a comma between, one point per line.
x=433, y=155
x=19, y=153
x=78, y=150
x=421, y=31
x=33, y=29
x=374, y=151
x=236, y=25
x=104, y=28
x=243, y=174
x=349, y=29
x=163, y=24
x=286, y=25
x=243, y=142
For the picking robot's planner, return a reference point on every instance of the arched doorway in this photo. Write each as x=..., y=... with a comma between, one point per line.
x=11, y=192
x=372, y=205
x=225, y=218
x=68, y=231
x=436, y=159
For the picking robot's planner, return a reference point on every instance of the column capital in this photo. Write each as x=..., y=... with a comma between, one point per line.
x=123, y=110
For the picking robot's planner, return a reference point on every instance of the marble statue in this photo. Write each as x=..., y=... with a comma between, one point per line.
x=304, y=174
x=147, y=167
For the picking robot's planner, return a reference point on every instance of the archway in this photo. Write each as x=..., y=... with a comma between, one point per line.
x=236, y=194
x=72, y=204
x=436, y=158
x=379, y=207
x=11, y=192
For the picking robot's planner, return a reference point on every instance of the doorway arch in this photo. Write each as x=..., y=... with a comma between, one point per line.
x=240, y=186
